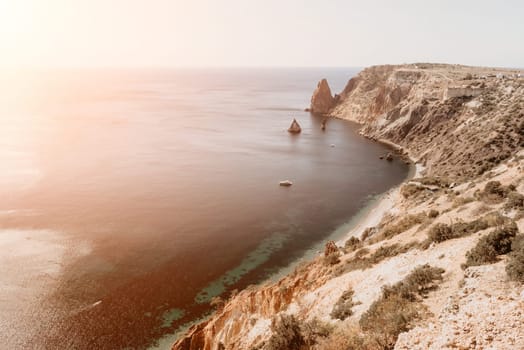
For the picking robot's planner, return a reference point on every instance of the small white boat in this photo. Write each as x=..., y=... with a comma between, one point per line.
x=285, y=183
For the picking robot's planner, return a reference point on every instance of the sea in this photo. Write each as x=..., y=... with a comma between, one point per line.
x=130, y=198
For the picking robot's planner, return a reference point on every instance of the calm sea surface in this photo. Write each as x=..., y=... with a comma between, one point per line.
x=149, y=192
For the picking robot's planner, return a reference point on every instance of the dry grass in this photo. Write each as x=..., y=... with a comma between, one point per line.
x=434, y=181
x=402, y=225
x=460, y=201
x=412, y=190
x=361, y=262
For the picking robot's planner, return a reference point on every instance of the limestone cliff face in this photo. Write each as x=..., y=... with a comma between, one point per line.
x=458, y=134
x=322, y=101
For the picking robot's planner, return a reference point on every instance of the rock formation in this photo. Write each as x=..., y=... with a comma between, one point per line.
x=322, y=101
x=464, y=142
x=294, y=128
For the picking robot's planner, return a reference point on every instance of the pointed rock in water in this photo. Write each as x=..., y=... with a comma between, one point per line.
x=322, y=101
x=294, y=128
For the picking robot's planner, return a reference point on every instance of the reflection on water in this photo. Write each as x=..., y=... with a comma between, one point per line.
x=170, y=178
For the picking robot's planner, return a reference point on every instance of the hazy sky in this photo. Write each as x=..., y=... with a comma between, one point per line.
x=260, y=33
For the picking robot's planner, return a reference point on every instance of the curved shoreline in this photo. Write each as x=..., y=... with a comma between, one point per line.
x=369, y=215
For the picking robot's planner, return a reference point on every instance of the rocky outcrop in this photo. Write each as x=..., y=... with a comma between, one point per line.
x=294, y=128
x=322, y=101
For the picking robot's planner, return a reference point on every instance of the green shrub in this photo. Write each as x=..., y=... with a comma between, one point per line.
x=347, y=337
x=394, y=312
x=289, y=333
x=440, y=232
x=433, y=213
x=461, y=229
x=387, y=318
x=515, y=201
x=515, y=264
x=490, y=246
x=285, y=334
x=353, y=243
x=342, y=308
x=493, y=192
x=331, y=253
x=419, y=282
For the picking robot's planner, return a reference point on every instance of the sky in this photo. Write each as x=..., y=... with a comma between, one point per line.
x=213, y=33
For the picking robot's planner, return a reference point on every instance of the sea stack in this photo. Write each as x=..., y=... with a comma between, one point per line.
x=295, y=127
x=322, y=101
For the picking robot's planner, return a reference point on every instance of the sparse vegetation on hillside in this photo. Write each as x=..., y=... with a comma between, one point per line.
x=411, y=190
x=398, y=306
x=331, y=254
x=493, y=192
x=402, y=225
x=288, y=333
x=433, y=213
x=360, y=261
x=515, y=201
x=490, y=246
x=434, y=181
x=441, y=232
x=352, y=244
x=515, y=264
x=342, y=308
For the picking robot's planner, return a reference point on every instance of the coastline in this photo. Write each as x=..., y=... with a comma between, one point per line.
x=369, y=215
x=320, y=287
x=386, y=201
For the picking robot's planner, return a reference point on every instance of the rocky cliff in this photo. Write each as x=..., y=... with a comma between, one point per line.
x=461, y=136
x=322, y=101
x=415, y=274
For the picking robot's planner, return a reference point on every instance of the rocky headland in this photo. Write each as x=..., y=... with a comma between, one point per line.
x=439, y=262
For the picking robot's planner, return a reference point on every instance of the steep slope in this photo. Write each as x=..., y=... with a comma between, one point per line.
x=464, y=126
x=458, y=121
